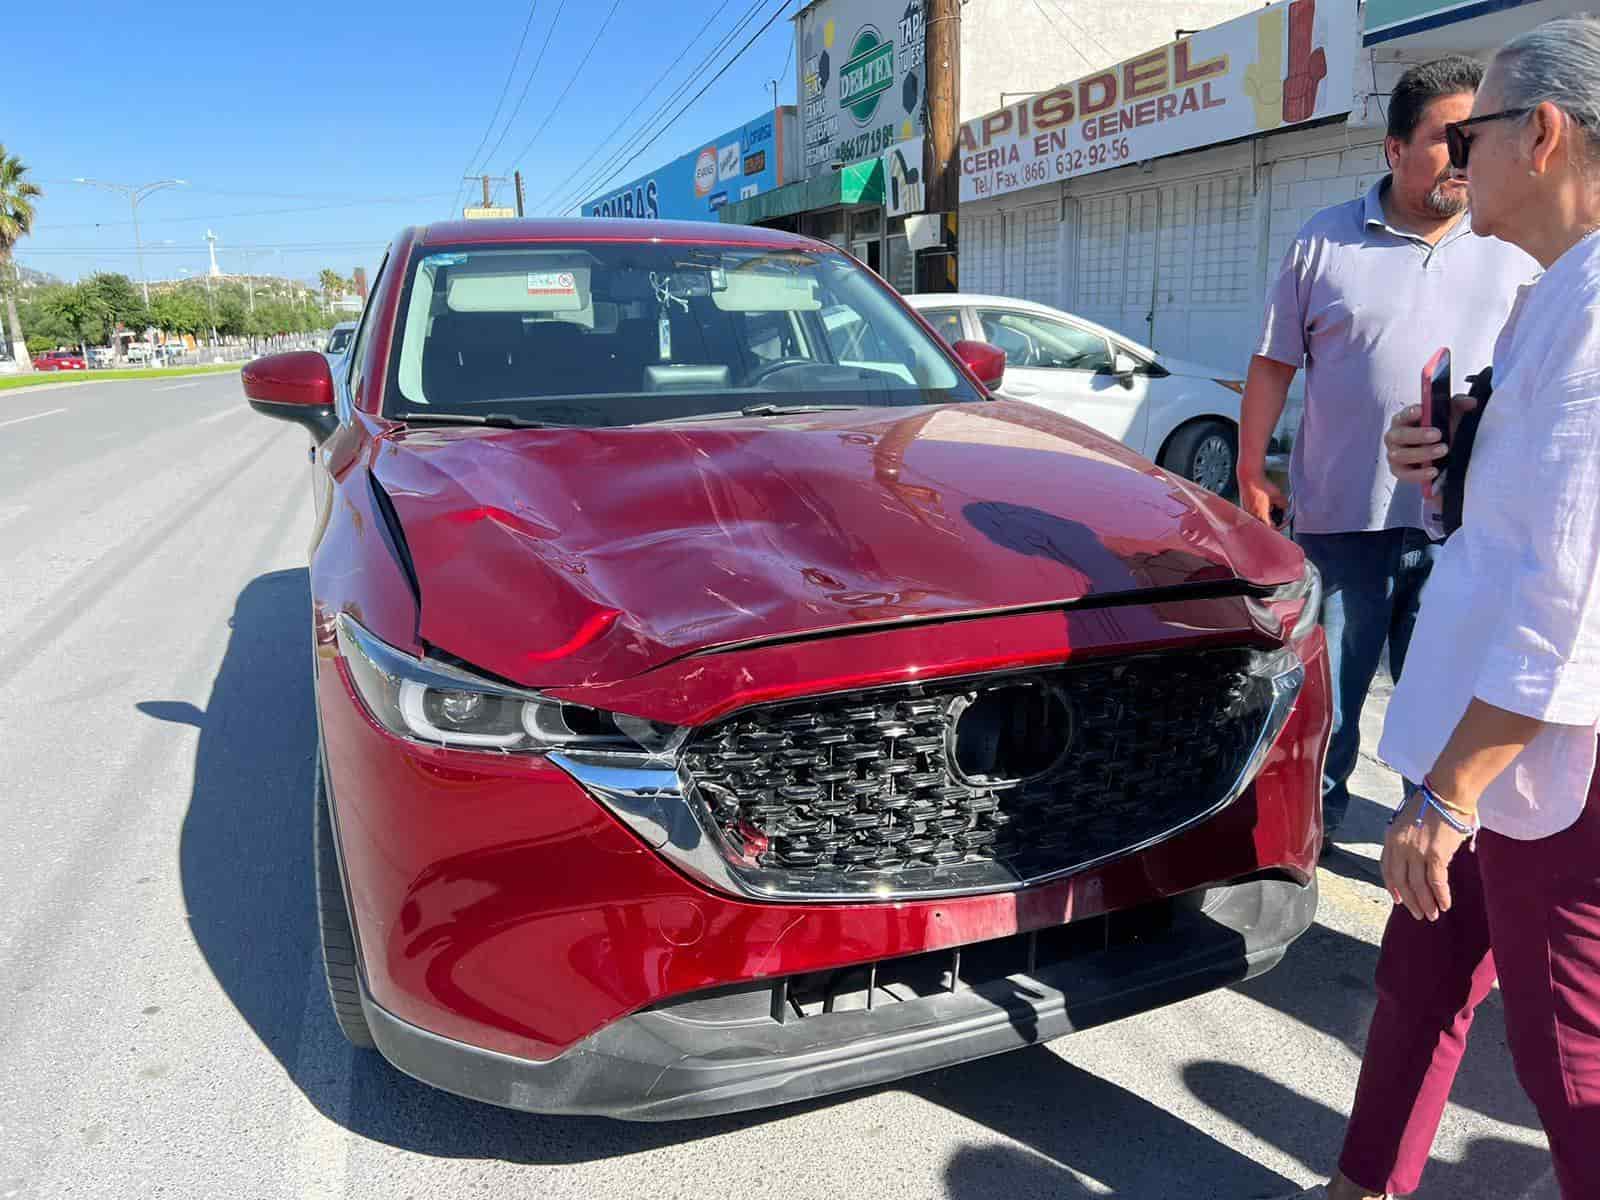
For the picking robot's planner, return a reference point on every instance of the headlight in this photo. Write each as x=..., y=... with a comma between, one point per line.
x=1305, y=592
x=434, y=702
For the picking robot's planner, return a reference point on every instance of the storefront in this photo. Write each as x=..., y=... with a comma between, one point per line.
x=853, y=207
x=750, y=160
x=1148, y=196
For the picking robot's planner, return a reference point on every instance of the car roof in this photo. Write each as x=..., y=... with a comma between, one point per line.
x=604, y=229
x=979, y=300
x=343, y=325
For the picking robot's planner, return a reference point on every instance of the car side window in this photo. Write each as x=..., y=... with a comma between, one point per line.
x=946, y=323
x=358, y=351
x=1031, y=340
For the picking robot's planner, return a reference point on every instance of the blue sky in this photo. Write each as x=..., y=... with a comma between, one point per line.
x=311, y=133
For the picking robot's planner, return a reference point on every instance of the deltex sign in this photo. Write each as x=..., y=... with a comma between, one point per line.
x=1279, y=66
x=860, y=79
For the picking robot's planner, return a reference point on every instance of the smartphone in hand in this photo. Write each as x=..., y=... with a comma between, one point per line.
x=1436, y=409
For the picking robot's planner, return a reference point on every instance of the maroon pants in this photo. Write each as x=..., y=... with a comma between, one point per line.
x=1532, y=909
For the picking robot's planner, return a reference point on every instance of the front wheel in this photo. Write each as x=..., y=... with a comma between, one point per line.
x=333, y=918
x=1206, y=452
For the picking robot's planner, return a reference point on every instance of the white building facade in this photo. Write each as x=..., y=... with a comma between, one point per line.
x=1176, y=248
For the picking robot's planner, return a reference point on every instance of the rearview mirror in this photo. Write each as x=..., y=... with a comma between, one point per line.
x=1123, y=367
x=295, y=387
x=987, y=362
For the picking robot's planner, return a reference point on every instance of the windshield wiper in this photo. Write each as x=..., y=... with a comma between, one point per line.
x=776, y=410
x=496, y=420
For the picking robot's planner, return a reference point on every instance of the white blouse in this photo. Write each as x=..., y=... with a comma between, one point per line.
x=1511, y=612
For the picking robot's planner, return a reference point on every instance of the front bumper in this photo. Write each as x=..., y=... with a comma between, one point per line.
x=679, y=1060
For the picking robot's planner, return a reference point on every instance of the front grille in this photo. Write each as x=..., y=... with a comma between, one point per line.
x=881, y=783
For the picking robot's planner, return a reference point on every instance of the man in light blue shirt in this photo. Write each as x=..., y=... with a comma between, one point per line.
x=1367, y=293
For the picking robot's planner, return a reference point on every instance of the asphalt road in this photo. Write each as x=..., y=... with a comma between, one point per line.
x=163, y=1029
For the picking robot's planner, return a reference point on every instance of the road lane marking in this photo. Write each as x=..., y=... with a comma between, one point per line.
x=34, y=417
x=227, y=412
x=175, y=387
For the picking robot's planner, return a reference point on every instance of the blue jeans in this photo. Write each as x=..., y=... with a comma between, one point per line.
x=1372, y=591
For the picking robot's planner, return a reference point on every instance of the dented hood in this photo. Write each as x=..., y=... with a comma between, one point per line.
x=576, y=557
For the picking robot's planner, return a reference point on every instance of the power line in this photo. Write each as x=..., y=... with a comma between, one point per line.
x=608, y=170
x=505, y=88
x=723, y=70
x=260, y=212
x=1067, y=40
x=561, y=99
x=605, y=173
x=533, y=73
x=91, y=251
x=1076, y=24
x=628, y=116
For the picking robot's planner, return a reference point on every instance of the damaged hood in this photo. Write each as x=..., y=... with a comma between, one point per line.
x=571, y=557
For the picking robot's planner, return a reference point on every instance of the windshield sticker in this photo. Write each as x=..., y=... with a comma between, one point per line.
x=552, y=283
x=444, y=260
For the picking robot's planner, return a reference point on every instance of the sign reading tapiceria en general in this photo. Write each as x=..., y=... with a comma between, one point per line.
x=1282, y=65
x=860, y=79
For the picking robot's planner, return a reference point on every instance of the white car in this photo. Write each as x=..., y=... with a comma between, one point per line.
x=1179, y=414
x=339, y=339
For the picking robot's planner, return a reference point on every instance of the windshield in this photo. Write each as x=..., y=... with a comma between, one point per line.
x=628, y=333
x=339, y=339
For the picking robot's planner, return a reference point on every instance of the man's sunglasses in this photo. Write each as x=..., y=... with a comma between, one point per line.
x=1459, y=143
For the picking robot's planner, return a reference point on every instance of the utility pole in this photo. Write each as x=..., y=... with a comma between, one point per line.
x=135, y=192
x=941, y=164
x=522, y=196
x=484, y=181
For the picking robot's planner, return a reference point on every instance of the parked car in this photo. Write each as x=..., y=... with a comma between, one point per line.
x=139, y=352
x=1180, y=414
x=59, y=360
x=709, y=718
x=101, y=356
x=339, y=338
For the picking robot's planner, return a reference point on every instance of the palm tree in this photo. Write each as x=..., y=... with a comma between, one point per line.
x=16, y=220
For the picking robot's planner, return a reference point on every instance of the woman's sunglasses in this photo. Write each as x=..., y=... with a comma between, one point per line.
x=1459, y=143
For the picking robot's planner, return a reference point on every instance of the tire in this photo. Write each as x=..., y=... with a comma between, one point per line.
x=333, y=918
x=1206, y=452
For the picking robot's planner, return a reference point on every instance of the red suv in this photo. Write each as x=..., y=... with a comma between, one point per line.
x=724, y=700
x=59, y=360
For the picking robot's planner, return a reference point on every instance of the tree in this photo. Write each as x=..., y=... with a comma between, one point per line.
x=16, y=220
x=124, y=306
x=179, y=312
x=332, y=285
x=83, y=311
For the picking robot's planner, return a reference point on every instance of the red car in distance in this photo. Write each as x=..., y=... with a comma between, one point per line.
x=723, y=700
x=59, y=360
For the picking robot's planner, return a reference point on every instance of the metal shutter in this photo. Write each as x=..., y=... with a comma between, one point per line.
x=983, y=253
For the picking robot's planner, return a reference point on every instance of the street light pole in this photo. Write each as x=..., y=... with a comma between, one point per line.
x=135, y=192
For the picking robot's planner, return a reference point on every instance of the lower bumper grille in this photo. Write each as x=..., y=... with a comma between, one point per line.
x=961, y=785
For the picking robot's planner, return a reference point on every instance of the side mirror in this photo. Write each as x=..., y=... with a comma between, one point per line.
x=987, y=362
x=1123, y=366
x=294, y=387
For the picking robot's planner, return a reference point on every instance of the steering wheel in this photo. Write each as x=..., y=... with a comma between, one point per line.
x=757, y=374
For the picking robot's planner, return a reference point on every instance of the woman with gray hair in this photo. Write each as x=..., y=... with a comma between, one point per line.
x=1493, y=861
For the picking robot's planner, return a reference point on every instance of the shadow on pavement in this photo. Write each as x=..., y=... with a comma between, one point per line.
x=1070, y=1118
x=245, y=859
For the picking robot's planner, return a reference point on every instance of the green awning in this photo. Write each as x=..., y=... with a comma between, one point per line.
x=858, y=183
